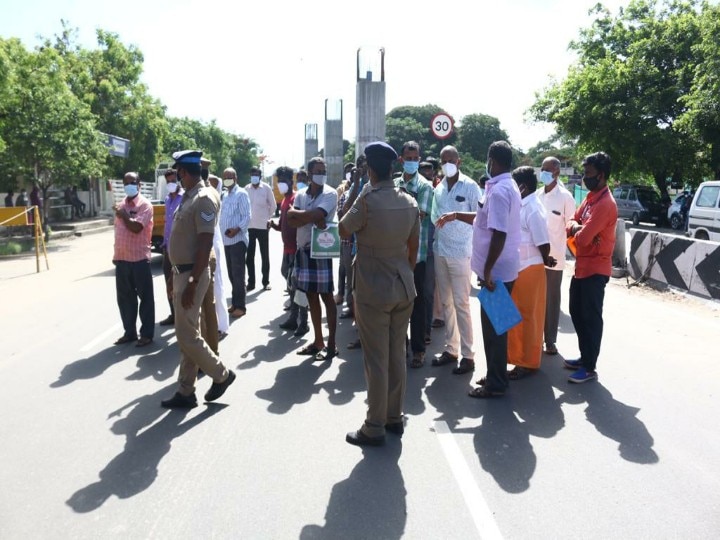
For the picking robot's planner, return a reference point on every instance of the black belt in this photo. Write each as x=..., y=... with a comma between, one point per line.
x=182, y=268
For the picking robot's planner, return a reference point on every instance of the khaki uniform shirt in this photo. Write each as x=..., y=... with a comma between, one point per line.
x=383, y=218
x=197, y=214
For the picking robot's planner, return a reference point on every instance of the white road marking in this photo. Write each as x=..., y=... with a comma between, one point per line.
x=101, y=337
x=474, y=500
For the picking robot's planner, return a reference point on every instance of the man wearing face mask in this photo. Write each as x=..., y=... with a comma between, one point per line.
x=455, y=194
x=172, y=201
x=133, y=278
x=262, y=205
x=422, y=191
x=314, y=206
x=560, y=208
x=234, y=219
x=593, y=227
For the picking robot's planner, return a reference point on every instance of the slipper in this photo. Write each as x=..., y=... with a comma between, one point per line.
x=481, y=381
x=143, y=341
x=125, y=339
x=326, y=355
x=444, y=358
x=309, y=350
x=517, y=373
x=416, y=363
x=355, y=345
x=550, y=350
x=484, y=393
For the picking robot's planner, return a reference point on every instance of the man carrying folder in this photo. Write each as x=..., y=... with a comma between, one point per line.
x=495, y=256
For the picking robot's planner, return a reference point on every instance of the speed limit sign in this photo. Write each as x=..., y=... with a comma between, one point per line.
x=441, y=125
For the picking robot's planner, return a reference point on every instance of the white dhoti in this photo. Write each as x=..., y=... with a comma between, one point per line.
x=221, y=278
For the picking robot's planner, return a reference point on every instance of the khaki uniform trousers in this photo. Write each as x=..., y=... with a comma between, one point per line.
x=208, y=315
x=194, y=351
x=383, y=329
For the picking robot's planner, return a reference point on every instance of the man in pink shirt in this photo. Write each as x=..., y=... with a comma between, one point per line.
x=133, y=279
x=593, y=228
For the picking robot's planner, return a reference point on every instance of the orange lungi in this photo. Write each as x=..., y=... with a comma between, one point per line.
x=525, y=340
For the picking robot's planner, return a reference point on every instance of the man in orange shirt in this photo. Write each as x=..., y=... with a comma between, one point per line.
x=133, y=278
x=593, y=228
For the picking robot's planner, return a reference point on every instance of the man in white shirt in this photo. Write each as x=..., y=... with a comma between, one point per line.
x=235, y=215
x=560, y=208
x=456, y=193
x=262, y=204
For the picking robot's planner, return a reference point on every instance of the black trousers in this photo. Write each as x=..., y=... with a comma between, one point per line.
x=495, y=351
x=261, y=236
x=586, y=306
x=417, y=318
x=235, y=260
x=167, y=272
x=133, y=280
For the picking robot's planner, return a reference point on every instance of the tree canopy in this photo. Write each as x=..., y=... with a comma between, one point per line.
x=635, y=90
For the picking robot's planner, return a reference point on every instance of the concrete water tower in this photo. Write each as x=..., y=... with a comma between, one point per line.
x=370, y=98
x=333, y=148
x=311, y=142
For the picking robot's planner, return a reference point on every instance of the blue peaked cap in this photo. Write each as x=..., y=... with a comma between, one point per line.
x=187, y=156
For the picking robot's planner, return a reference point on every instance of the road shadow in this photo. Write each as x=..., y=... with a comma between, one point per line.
x=279, y=344
x=136, y=467
x=350, y=379
x=614, y=420
x=370, y=503
x=294, y=385
x=162, y=362
x=96, y=364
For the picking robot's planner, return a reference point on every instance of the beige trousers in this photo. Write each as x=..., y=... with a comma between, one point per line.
x=452, y=283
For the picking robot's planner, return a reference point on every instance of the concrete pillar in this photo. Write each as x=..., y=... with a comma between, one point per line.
x=333, y=147
x=370, y=98
x=311, y=142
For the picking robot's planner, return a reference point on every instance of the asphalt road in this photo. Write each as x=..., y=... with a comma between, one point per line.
x=87, y=452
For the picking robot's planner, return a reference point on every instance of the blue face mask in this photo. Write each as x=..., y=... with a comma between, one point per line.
x=546, y=177
x=131, y=190
x=411, y=167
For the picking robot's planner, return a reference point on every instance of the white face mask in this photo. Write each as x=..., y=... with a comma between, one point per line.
x=172, y=187
x=449, y=169
x=319, y=179
x=546, y=177
x=301, y=186
x=228, y=182
x=348, y=175
x=282, y=188
x=254, y=180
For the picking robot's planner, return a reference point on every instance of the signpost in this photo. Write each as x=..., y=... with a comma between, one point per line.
x=442, y=125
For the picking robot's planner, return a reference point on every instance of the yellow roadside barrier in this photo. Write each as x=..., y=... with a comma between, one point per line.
x=17, y=216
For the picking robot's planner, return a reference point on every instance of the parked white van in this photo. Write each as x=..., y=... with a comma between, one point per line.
x=704, y=214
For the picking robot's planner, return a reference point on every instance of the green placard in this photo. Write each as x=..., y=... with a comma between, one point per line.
x=325, y=243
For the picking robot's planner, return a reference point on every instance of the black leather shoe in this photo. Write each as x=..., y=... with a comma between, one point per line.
x=290, y=324
x=346, y=315
x=218, y=389
x=178, y=401
x=358, y=438
x=466, y=366
x=250, y=287
x=302, y=330
x=168, y=321
x=398, y=428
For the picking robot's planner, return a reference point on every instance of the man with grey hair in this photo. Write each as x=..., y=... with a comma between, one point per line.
x=456, y=193
x=234, y=221
x=560, y=208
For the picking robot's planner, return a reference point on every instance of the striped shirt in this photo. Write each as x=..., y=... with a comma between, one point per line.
x=235, y=212
x=130, y=246
x=422, y=191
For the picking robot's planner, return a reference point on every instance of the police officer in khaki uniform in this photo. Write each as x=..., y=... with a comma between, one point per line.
x=191, y=241
x=386, y=224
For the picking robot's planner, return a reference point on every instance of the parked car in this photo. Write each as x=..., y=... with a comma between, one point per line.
x=677, y=210
x=704, y=214
x=639, y=203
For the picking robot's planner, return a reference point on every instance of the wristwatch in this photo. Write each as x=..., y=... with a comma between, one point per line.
x=191, y=279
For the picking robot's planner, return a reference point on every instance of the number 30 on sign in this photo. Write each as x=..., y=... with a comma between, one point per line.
x=441, y=125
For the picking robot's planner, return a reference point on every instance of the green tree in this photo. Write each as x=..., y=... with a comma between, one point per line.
x=51, y=135
x=410, y=122
x=477, y=132
x=624, y=93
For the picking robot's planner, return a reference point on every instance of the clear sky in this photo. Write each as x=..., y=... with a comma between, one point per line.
x=266, y=67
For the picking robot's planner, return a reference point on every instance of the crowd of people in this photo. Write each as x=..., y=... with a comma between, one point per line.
x=408, y=245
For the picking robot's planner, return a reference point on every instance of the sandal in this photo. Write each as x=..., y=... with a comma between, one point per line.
x=484, y=393
x=309, y=350
x=355, y=345
x=481, y=381
x=416, y=363
x=517, y=373
x=326, y=355
x=125, y=339
x=444, y=358
x=551, y=349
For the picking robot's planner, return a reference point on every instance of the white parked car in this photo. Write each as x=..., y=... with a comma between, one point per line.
x=704, y=215
x=674, y=214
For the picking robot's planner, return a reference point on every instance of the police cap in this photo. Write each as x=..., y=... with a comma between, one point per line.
x=186, y=156
x=380, y=151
